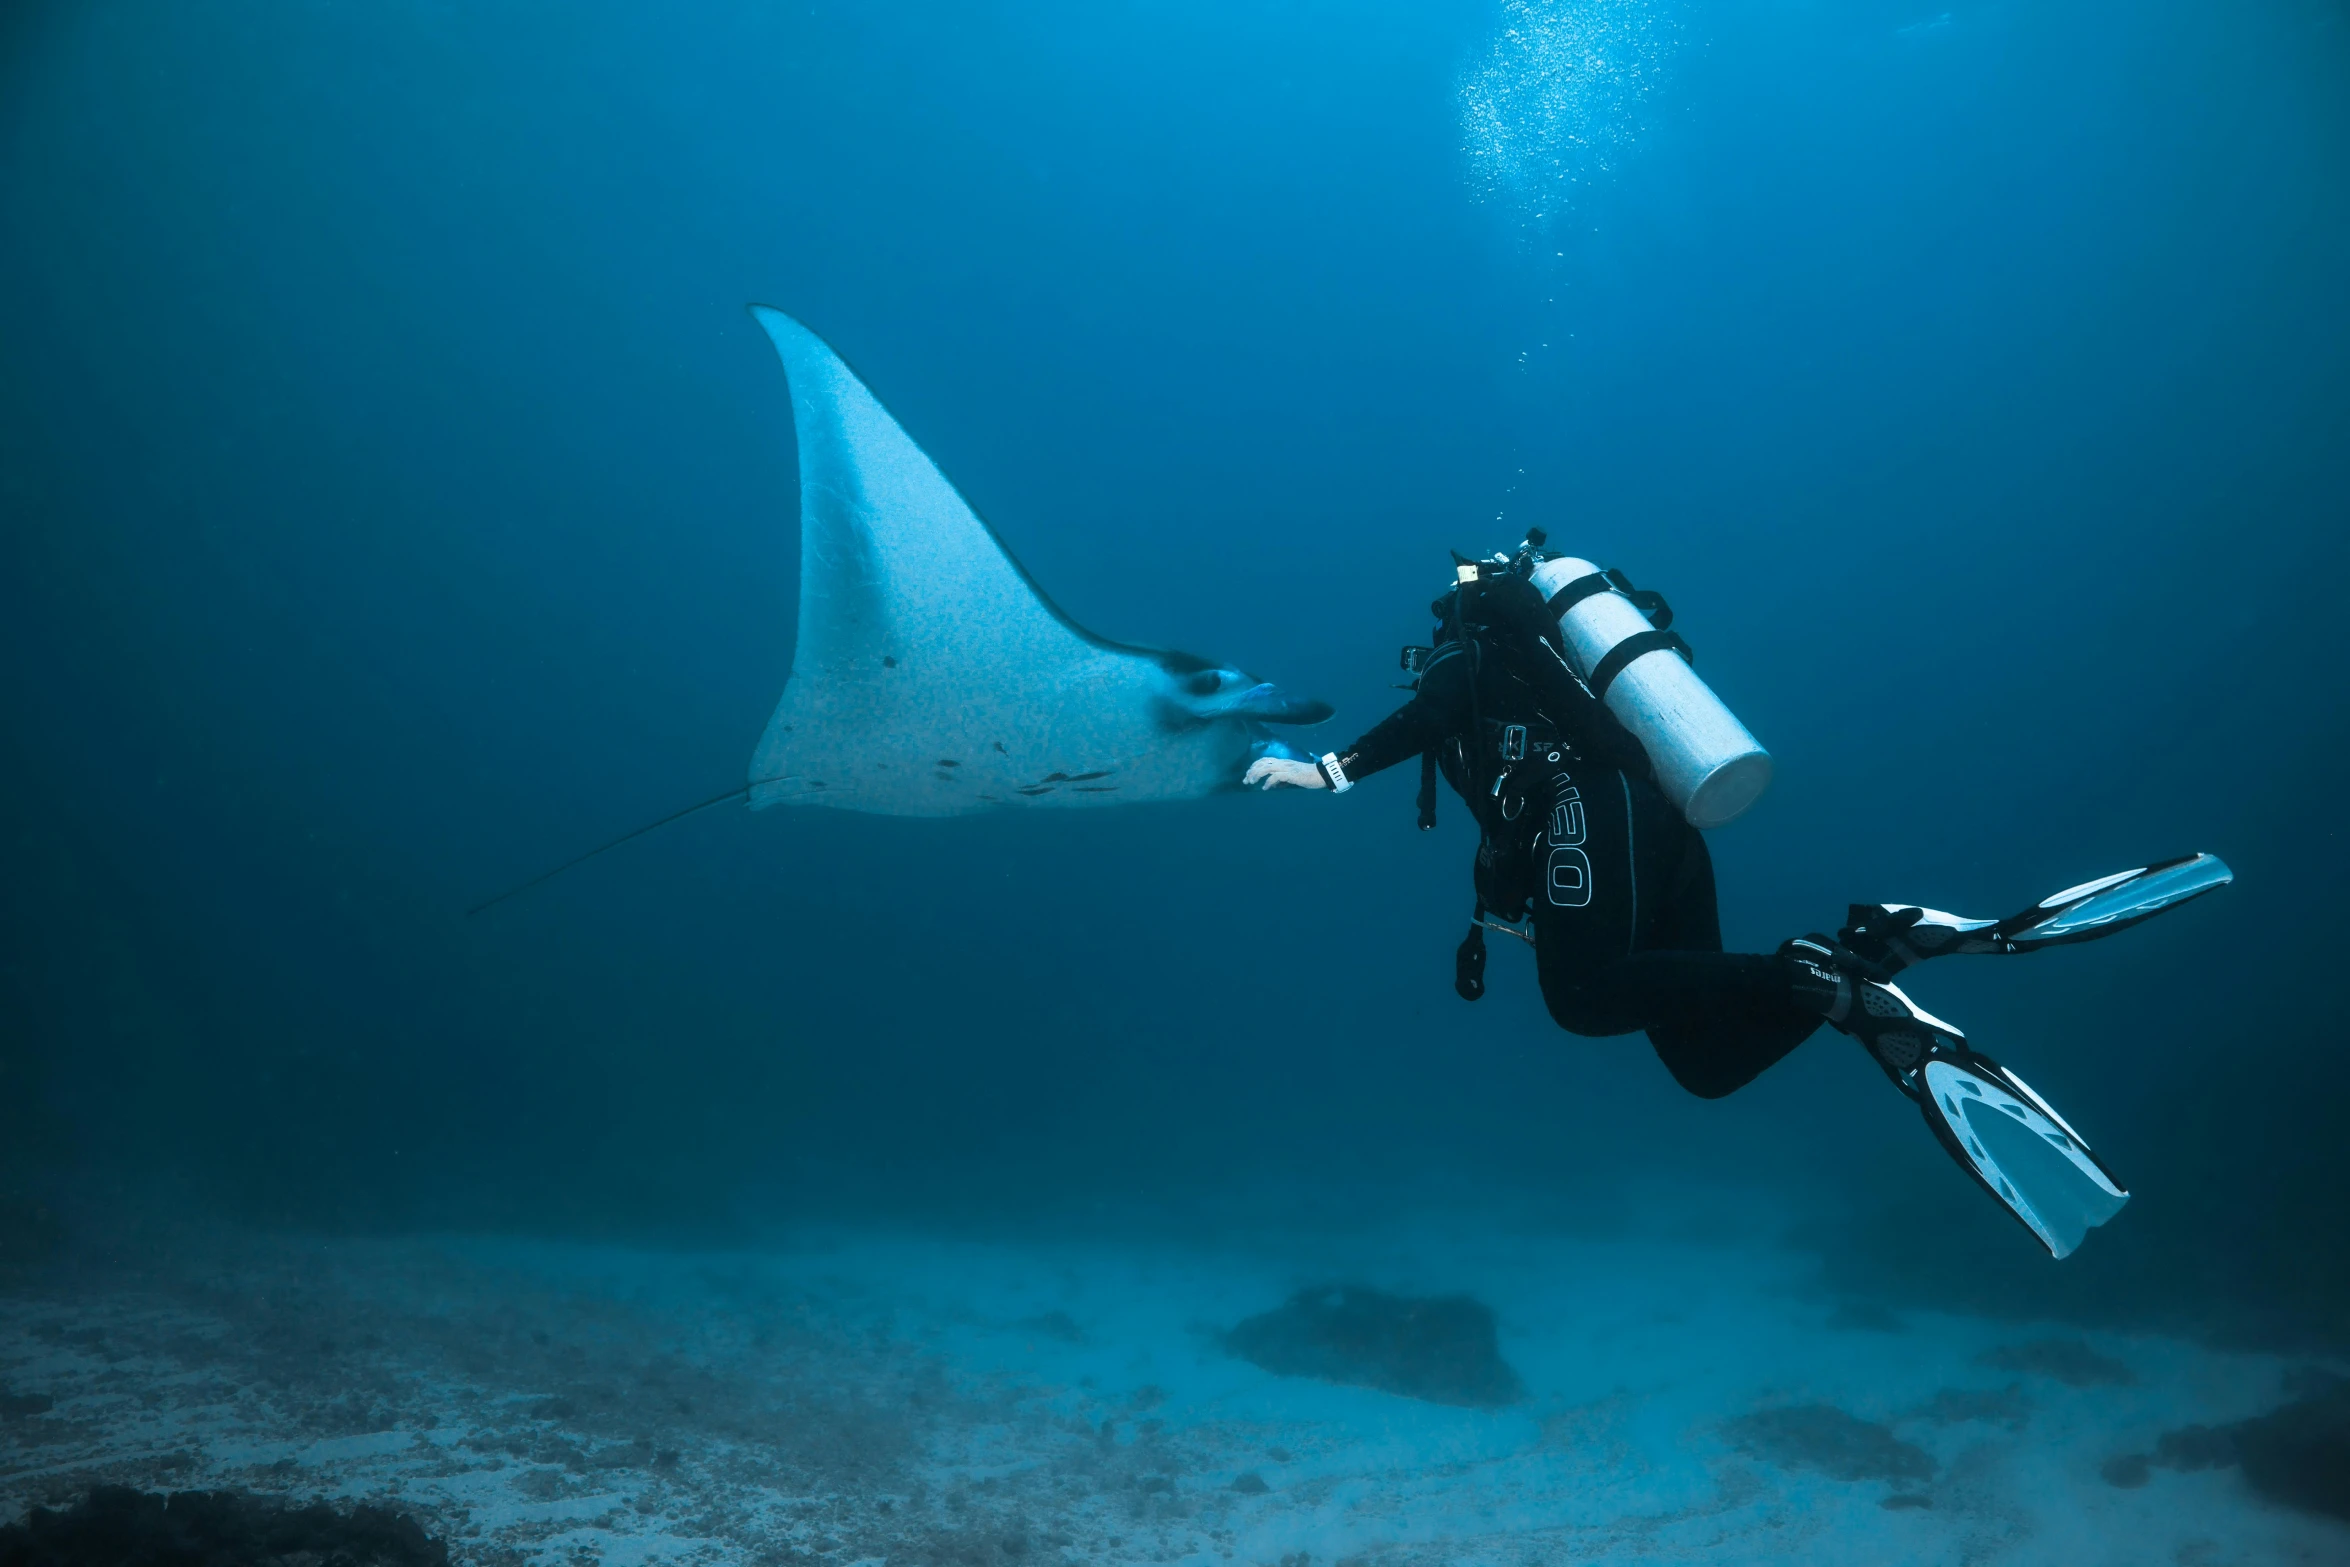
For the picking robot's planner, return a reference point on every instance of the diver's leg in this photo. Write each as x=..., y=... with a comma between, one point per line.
x=1716, y=1019
x=1855, y=996
x=1686, y=915
x=1587, y=901
x=1628, y=937
x=1719, y=1020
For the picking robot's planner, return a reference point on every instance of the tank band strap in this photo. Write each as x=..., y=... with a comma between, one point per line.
x=1632, y=647
x=1578, y=590
x=1651, y=604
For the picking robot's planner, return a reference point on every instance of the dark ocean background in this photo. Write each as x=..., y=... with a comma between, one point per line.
x=395, y=500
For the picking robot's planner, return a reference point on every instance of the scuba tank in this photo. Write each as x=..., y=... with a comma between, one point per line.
x=1615, y=644
x=1619, y=640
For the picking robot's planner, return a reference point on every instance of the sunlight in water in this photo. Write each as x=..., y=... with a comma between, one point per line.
x=1558, y=98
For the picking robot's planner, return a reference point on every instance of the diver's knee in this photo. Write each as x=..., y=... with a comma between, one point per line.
x=1701, y=1071
x=1708, y=1085
x=1582, y=1015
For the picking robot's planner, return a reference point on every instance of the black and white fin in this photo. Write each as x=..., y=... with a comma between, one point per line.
x=2110, y=903
x=1900, y=934
x=2021, y=1151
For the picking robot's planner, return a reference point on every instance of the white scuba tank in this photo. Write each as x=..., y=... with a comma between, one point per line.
x=1706, y=762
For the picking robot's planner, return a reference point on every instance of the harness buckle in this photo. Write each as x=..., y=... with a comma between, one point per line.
x=1524, y=930
x=1513, y=742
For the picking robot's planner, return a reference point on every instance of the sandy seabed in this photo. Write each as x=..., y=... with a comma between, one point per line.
x=891, y=1397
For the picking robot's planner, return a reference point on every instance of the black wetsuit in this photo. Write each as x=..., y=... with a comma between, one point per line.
x=1621, y=886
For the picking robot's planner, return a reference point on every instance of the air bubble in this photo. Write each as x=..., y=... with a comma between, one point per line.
x=1557, y=100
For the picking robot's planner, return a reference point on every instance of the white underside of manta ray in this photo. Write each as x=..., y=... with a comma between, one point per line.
x=932, y=677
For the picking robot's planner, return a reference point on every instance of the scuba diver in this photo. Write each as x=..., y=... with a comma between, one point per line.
x=1563, y=710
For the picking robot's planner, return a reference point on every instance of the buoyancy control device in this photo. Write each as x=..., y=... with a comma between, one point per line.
x=1620, y=641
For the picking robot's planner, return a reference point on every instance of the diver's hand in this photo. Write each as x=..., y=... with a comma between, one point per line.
x=1279, y=772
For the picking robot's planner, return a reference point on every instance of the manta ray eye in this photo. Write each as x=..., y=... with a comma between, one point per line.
x=1206, y=683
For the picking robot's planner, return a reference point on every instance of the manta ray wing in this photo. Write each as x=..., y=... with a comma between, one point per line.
x=932, y=677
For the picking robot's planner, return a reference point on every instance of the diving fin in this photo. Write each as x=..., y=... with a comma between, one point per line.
x=2003, y=1134
x=1895, y=935
x=2018, y=1148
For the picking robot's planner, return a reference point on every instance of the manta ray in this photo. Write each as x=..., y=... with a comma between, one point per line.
x=934, y=677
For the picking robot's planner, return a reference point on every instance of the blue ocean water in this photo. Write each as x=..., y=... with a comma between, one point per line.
x=399, y=501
